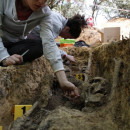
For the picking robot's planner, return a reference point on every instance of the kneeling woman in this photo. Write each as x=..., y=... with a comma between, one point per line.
x=17, y=18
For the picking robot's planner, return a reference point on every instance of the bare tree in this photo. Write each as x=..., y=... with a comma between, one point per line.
x=67, y=9
x=95, y=8
x=117, y=8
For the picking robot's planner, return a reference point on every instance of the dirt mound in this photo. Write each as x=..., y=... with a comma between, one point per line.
x=118, y=20
x=123, y=23
x=90, y=35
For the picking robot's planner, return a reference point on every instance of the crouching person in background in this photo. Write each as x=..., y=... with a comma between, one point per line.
x=66, y=28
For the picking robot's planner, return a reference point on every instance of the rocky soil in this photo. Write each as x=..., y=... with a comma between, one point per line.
x=104, y=91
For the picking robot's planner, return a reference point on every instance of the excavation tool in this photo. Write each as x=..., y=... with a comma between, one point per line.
x=25, y=52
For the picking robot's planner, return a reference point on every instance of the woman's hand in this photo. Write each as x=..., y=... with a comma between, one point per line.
x=69, y=89
x=13, y=59
x=70, y=58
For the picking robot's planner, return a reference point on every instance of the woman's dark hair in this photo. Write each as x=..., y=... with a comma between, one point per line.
x=76, y=23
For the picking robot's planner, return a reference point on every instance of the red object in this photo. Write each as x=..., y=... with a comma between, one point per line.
x=90, y=22
x=22, y=12
x=66, y=45
x=64, y=56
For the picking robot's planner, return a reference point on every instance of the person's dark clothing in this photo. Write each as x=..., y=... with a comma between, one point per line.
x=35, y=48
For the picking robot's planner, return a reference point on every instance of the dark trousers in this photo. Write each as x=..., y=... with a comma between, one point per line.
x=34, y=46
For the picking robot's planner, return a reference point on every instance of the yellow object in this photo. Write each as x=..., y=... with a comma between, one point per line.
x=19, y=110
x=80, y=76
x=0, y=127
